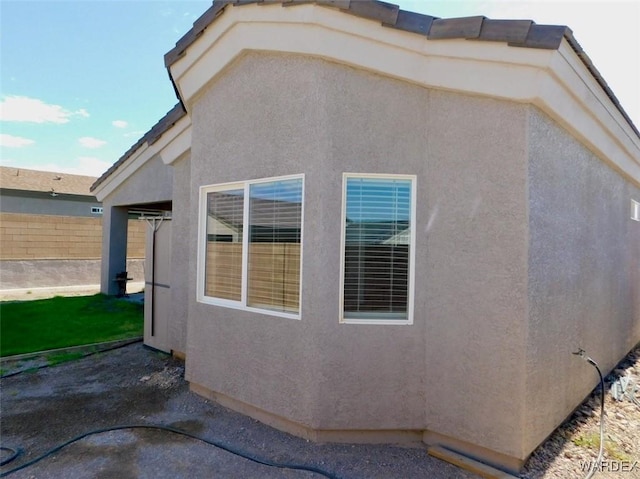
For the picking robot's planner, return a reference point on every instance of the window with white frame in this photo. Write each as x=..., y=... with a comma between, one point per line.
x=250, y=245
x=378, y=238
x=635, y=210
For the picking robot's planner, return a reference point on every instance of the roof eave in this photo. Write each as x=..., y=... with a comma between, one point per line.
x=541, y=69
x=149, y=138
x=515, y=33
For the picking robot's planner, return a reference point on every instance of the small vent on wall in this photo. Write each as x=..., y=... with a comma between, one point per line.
x=635, y=210
x=96, y=210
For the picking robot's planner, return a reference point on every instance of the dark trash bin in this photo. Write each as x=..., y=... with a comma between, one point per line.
x=121, y=280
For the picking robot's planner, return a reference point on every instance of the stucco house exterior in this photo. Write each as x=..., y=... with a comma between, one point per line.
x=388, y=226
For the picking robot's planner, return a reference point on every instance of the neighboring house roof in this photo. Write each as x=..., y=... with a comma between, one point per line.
x=515, y=33
x=377, y=232
x=45, y=181
x=229, y=211
x=402, y=238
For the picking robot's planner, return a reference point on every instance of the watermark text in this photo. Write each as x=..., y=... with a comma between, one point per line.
x=610, y=466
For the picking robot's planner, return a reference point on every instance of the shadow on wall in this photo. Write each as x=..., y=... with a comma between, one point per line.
x=46, y=273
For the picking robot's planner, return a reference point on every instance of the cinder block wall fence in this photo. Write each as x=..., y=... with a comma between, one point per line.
x=48, y=251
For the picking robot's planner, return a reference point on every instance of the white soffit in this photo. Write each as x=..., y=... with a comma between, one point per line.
x=173, y=143
x=554, y=80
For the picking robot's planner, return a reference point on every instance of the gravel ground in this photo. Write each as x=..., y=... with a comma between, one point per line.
x=42, y=409
x=576, y=442
x=135, y=385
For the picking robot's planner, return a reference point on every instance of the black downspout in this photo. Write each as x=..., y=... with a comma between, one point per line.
x=153, y=279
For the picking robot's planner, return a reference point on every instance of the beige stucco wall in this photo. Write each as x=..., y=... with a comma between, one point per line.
x=152, y=182
x=180, y=257
x=584, y=273
x=448, y=371
x=271, y=128
x=475, y=284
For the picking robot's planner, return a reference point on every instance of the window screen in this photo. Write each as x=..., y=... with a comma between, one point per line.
x=377, y=246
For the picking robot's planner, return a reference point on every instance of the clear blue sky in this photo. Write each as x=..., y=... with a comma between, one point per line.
x=81, y=81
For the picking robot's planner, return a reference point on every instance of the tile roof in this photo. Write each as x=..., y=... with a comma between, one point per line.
x=12, y=178
x=516, y=33
x=519, y=33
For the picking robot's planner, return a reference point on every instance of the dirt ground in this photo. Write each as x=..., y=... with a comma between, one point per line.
x=576, y=442
x=136, y=385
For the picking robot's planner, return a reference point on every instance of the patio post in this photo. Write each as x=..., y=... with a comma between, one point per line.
x=114, y=247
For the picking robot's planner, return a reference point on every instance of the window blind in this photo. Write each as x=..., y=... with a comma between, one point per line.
x=275, y=212
x=223, y=265
x=376, y=248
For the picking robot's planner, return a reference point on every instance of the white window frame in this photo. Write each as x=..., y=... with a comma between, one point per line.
x=202, y=245
x=412, y=251
x=635, y=210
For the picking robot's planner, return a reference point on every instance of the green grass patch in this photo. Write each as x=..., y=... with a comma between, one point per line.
x=611, y=447
x=30, y=326
x=60, y=358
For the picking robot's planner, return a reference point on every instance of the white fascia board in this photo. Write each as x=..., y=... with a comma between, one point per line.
x=177, y=146
x=170, y=146
x=571, y=95
x=330, y=34
x=133, y=163
x=573, y=72
x=554, y=80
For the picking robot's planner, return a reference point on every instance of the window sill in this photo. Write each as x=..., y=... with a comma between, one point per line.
x=239, y=306
x=382, y=322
